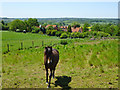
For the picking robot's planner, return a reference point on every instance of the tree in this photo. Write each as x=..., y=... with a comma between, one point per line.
x=26, y=24
x=113, y=30
x=50, y=28
x=60, y=24
x=104, y=27
x=43, y=29
x=69, y=28
x=118, y=34
x=96, y=27
x=75, y=24
x=2, y=22
x=85, y=27
x=32, y=22
x=4, y=26
x=35, y=29
x=16, y=24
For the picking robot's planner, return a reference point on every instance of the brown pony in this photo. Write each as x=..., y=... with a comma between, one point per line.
x=51, y=58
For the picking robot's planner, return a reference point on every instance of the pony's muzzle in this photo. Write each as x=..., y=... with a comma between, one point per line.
x=49, y=61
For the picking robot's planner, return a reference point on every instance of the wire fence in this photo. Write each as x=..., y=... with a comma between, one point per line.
x=8, y=47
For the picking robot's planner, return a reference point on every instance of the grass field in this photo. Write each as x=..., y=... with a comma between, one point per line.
x=83, y=63
x=14, y=40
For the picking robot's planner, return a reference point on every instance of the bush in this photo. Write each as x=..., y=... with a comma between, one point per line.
x=53, y=32
x=80, y=35
x=40, y=32
x=90, y=34
x=35, y=29
x=58, y=33
x=95, y=34
x=86, y=34
x=102, y=34
x=48, y=32
x=73, y=35
x=69, y=34
x=63, y=35
x=4, y=27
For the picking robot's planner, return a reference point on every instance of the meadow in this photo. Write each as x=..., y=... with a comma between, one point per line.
x=83, y=63
x=28, y=40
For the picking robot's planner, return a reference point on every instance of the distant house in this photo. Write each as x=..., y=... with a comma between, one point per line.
x=48, y=26
x=64, y=28
x=54, y=26
x=77, y=29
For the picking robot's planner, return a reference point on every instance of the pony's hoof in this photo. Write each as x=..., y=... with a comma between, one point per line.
x=48, y=86
x=53, y=77
x=46, y=82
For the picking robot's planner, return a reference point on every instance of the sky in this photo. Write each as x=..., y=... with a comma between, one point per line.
x=59, y=9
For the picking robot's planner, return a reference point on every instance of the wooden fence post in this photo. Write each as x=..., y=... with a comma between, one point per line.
x=42, y=43
x=74, y=51
x=8, y=47
x=32, y=43
x=51, y=43
x=21, y=45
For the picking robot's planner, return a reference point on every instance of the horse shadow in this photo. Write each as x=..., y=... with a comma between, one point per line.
x=63, y=82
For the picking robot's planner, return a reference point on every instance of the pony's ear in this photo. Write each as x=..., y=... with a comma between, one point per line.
x=50, y=48
x=46, y=48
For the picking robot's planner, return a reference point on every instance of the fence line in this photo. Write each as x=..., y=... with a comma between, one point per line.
x=44, y=43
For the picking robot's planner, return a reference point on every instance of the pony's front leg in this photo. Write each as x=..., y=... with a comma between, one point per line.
x=46, y=75
x=50, y=78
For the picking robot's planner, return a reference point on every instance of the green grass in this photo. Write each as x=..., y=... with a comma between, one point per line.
x=14, y=40
x=82, y=64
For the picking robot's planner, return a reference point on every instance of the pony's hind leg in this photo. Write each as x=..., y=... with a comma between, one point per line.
x=53, y=72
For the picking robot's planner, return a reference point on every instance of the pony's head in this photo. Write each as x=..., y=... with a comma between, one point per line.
x=48, y=50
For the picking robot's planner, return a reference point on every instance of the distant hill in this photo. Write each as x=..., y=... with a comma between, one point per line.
x=67, y=21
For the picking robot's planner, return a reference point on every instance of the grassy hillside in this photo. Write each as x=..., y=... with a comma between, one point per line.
x=82, y=64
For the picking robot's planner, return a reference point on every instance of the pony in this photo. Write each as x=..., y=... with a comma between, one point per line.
x=51, y=58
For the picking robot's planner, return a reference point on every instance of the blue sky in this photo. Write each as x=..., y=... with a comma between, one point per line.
x=60, y=9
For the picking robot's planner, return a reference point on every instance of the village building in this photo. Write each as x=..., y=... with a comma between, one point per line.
x=54, y=26
x=64, y=28
x=77, y=29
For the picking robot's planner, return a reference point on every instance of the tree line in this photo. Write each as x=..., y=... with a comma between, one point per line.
x=32, y=25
